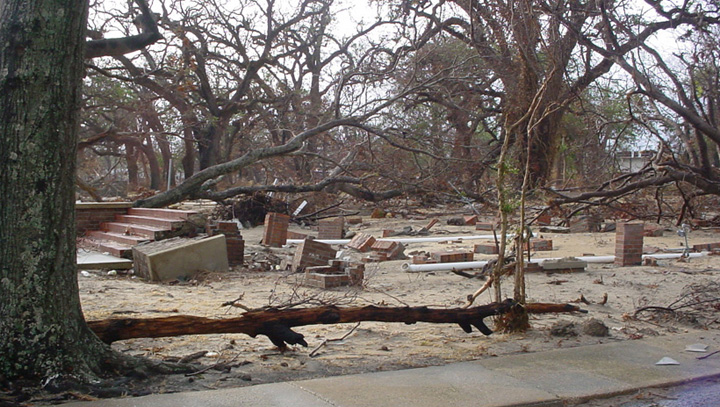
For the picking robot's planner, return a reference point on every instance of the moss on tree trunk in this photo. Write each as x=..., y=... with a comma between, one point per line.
x=43, y=334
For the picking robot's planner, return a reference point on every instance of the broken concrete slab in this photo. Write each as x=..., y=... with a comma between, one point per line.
x=90, y=260
x=180, y=258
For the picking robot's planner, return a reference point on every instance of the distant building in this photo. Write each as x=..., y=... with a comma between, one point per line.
x=633, y=161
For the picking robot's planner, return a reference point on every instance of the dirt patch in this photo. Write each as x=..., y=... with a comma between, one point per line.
x=238, y=360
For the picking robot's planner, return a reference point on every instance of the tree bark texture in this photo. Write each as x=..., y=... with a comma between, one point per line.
x=42, y=330
x=276, y=324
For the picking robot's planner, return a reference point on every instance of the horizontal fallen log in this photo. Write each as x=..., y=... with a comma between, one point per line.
x=276, y=324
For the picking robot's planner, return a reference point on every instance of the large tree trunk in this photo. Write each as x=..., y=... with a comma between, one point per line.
x=42, y=330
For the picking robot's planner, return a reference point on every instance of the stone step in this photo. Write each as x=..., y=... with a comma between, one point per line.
x=151, y=232
x=150, y=221
x=118, y=237
x=161, y=213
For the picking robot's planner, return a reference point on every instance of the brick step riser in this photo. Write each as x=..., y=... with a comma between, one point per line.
x=155, y=222
x=132, y=229
x=108, y=248
x=169, y=214
x=125, y=239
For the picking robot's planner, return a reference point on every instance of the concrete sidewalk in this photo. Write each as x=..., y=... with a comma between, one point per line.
x=531, y=379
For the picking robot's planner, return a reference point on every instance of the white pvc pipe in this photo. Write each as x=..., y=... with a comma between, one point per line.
x=402, y=239
x=465, y=265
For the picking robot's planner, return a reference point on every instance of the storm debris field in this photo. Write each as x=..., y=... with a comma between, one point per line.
x=623, y=303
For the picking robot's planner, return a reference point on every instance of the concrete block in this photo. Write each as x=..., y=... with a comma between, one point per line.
x=179, y=258
x=486, y=248
x=567, y=264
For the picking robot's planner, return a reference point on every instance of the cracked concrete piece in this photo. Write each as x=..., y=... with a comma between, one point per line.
x=180, y=258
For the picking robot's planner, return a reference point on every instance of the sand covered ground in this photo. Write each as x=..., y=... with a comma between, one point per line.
x=238, y=360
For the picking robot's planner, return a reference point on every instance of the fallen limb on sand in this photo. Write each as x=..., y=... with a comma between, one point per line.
x=276, y=324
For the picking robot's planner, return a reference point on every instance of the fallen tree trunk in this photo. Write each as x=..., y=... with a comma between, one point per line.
x=276, y=324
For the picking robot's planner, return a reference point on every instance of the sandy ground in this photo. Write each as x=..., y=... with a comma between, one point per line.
x=239, y=360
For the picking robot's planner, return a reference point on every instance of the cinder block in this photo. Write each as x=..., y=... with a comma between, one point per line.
x=176, y=258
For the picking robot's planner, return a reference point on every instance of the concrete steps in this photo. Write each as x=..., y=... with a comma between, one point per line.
x=138, y=226
x=151, y=232
x=108, y=246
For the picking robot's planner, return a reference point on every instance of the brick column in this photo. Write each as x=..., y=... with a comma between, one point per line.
x=276, y=229
x=331, y=228
x=629, y=244
x=233, y=240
